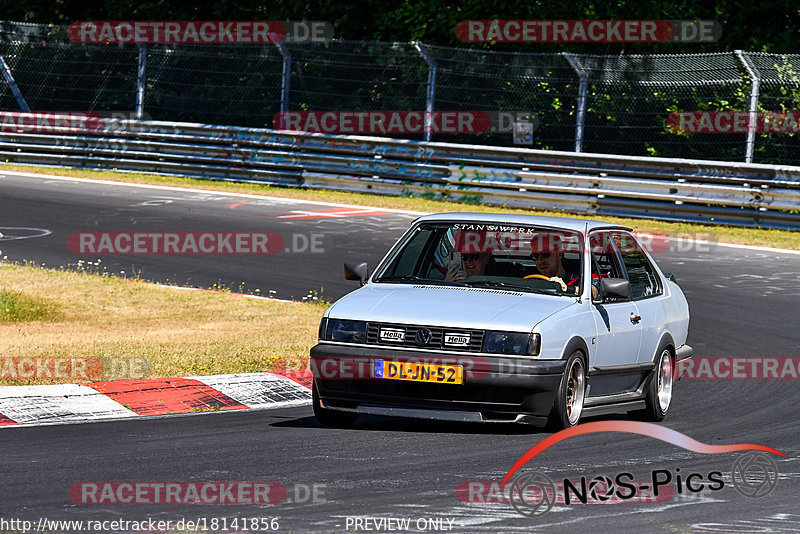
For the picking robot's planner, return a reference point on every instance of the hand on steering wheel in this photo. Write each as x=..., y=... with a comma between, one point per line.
x=555, y=279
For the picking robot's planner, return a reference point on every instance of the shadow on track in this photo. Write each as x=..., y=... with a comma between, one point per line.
x=397, y=424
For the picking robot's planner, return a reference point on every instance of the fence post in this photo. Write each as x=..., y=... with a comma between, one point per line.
x=141, y=75
x=286, y=73
x=431, y=92
x=582, y=87
x=752, y=119
x=12, y=83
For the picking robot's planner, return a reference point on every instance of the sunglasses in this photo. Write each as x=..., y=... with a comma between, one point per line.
x=470, y=257
x=542, y=255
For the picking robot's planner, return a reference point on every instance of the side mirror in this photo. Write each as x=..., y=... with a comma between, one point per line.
x=615, y=287
x=356, y=271
x=670, y=277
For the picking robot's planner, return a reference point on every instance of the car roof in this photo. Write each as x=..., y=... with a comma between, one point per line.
x=567, y=223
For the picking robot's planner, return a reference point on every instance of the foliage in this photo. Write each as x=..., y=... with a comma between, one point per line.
x=769, y=26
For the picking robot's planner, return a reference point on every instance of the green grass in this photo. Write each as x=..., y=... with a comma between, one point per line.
x=16, y=307
x=725, y=234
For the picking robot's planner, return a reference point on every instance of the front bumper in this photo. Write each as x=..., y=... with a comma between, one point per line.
x=495, y=388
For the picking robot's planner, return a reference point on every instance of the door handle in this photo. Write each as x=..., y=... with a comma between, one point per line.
x=635, y=318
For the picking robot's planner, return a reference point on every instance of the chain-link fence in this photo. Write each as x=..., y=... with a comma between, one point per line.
x=588, y=103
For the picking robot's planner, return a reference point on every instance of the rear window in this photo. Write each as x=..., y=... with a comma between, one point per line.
x=641, y=273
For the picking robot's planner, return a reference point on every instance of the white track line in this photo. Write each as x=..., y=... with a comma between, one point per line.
x=726, y=245
x=335, y=204
x=222, y=193
x=260, y=297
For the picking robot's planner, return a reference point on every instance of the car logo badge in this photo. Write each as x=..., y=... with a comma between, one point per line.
x=423, y=336
x=392, y=334
x=456, y=340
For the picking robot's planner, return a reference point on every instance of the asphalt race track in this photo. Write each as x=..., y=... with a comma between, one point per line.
x=744, y=303
x=317, y=237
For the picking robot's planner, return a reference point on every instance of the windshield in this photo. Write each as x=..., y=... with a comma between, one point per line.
x=509, y=257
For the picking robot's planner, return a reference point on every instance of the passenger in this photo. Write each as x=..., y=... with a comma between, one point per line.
x=474, y=264
x=478, y=263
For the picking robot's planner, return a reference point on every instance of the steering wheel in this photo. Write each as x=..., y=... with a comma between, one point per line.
x=539, y=276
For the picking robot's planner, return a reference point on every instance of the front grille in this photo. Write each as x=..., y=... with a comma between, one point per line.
x=436, y=341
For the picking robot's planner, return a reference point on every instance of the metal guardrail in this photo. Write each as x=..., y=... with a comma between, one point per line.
x=685, y=190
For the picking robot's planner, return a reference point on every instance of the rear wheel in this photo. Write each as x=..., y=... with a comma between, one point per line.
x=331, y=418
x=659, y=389
x=568, y=405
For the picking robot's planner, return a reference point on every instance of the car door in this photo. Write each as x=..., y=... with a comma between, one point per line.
x=647, y=292
x=619, y=331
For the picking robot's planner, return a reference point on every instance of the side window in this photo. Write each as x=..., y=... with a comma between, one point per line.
x=641, y=273
x=605, y=262
x=406, y=261
x=604, y=256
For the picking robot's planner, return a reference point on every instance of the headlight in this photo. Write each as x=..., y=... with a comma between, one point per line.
x=535, y=344
x=347, y=331
x=512, y=343
x=323, y=325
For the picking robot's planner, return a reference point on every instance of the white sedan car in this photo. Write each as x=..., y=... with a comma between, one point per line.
x=503, y=318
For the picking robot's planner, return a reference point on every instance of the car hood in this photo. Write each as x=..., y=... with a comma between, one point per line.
x=449, y=306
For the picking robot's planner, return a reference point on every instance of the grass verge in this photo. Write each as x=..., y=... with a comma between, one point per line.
x=745, y=236
x=105, y=328
x=16, y=307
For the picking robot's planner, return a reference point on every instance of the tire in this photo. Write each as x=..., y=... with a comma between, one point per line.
x=659, y=389
x=571, y=394
x=330, y=418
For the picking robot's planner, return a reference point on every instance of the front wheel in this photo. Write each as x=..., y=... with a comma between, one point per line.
x=568, y=405
x=331, y=418
x=659, y=390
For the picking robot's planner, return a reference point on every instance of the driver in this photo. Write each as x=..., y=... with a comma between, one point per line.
x=547, y=252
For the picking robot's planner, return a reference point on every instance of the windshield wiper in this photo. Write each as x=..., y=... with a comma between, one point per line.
x=403, y=277
x=497, y=283
x=415, y=278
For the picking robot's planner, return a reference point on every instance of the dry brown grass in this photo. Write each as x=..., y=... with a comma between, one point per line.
x=137, y=328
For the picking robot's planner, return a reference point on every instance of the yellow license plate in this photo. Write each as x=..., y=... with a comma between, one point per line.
x=419, y=372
